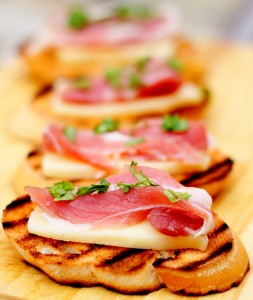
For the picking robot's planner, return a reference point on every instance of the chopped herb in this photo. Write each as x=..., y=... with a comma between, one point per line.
x=81, y=83
x=106, y=125
x=101, y=187
x=135, y=141
x=176, y=196
x=134, y=81
x=143, y=180
x=133, y=12
x=113, y=76
x=142, y=62
x=70, y=133
x=175, y=64
x=77, y=18
x=62, y=191
x=66, y=191
x=174, y=123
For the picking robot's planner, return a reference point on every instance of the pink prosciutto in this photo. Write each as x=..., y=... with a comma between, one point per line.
x=105, y=150
x=157, y=79
x=115, y=208
x=111, y=32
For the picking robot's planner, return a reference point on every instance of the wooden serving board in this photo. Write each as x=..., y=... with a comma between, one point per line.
x=229, y=117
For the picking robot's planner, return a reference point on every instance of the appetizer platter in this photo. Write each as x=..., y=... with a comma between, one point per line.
x=115, y=210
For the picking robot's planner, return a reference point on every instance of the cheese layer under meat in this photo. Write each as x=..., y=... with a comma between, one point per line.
x=141, y=236
x=55, y=165
x=189, y=94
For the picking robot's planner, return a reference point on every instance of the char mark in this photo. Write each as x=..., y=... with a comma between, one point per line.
x=227, y=163
x=45, y=89
x=21, y=201
x=121, y=256
x=13, y=224
x=221, y=250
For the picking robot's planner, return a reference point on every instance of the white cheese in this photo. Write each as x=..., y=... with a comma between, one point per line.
x=58, y=166
x=188, y=94
x=141, y=236
x=55, y=165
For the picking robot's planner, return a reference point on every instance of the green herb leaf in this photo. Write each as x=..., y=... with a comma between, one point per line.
x=134, y=81
x=70, y=133
x=113, y=76
x=101, y=187
x=176, y=196
x=174, y=123
x=82, y=83
x=175, y=64
x=143, y=180
x=134, y=12
x=62, y=191
x=142, y=62
x=135, y=141
x=106, y=125
x=77, y=18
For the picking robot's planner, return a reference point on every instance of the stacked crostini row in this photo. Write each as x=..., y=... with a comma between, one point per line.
x=120, y=110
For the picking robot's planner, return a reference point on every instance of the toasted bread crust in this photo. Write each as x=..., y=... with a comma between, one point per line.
x=47, y=65
x=130, y=271
x=213, y=179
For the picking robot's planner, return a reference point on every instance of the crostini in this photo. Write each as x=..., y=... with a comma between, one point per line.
x=133, y=232
x=151, y=86
x=80, y=41
x=176, y=145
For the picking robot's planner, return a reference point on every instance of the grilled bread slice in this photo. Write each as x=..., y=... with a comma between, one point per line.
x=212, y=179
x=131, y=271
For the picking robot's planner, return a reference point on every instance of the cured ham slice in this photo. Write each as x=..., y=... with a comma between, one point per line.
x=195, y=135
x=106, y=150
x=110, y=30
x=116, y=208
x=154, y=78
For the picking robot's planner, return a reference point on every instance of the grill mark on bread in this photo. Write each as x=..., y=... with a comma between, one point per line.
x=13, y=224
x=217, y=172
x=121, y=256
x=21, y=201
x=45, y=89
x=221, y=250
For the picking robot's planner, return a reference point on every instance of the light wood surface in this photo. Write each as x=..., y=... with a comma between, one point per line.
x=229, y=117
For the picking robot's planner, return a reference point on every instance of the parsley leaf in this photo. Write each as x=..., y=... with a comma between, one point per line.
x=113, y=76
x=62, y=191
x=82, y=83
x=142, y=62
x=134, y=81
x=133, y=12
x=106, y=125
x=175, y=64
x=101, y=187
x=143, y=180
x=174, y=123
x=77, y=18
x=135, y=141
x=176, y=196
x=70, y=133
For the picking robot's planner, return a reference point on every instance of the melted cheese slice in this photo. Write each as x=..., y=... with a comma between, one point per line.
x=55, y=165
x=141, y=236
x=188, y=94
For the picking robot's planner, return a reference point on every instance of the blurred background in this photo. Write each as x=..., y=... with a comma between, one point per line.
x=216, y=19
